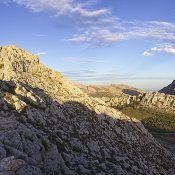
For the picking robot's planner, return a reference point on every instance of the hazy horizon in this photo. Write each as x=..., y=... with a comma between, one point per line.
x=106, y=84
x=99, y=42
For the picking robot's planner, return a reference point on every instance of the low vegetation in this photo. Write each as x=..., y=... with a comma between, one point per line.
x=161, y=125
x=153, y=120
x=1, y=66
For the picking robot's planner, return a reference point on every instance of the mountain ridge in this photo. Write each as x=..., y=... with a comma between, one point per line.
x=170, y=89
x=49, y=126
x=111, y=90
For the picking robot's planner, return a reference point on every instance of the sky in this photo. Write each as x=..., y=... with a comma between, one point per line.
x=96, y=41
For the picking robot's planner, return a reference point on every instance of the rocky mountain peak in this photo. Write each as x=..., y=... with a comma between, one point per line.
x=12, y=53
x=170, y=89
x=173, y=83
x=14, y=60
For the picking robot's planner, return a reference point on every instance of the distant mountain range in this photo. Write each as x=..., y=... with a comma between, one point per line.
x=112, y=90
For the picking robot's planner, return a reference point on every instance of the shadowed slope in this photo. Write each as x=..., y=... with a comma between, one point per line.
x=47, y=137
x=49, y=126
x=170, y=89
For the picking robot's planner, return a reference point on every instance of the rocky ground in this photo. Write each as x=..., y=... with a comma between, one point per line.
x=155, y=110
x=150, y=100
x=48, y=126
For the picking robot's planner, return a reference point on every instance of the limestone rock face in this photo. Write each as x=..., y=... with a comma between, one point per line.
x=159, y=101
x=170, y=89
x=49, y=126
x=14, y=61
x=151, y=100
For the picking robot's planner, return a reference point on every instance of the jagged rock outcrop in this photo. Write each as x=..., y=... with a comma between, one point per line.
x=122, y=101
x=151, y=100
x=159, y=101
x=14, y=61
x=170, y=89
x=49, y=126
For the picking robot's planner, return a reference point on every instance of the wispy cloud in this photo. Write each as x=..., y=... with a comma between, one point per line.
x=147, y=54
x=40, y=35
x=41, y=53
x=167, y=48
x=80, y=74
x=91, y=76
x=62, y=7
x=83, y=60
x=98, y=27
x=105, y=36
x=98, y=37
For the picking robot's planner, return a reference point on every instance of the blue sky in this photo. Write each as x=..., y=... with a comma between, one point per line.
x=99, y=41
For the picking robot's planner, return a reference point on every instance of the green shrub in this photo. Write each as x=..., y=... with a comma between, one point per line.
x=1, y=66
x=45, y=144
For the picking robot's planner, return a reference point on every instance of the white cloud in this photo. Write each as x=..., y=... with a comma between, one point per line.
x=61, y=7
x=104, y=36
x=91, y=76
x=82, y=60
x=98, y=27
x=41, y=53
x=167, y=48
x=146, y=53
x=98, y=37
x=40, y=35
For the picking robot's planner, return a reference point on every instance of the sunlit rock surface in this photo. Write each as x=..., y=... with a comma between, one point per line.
x=150, y=100
x=48, y=126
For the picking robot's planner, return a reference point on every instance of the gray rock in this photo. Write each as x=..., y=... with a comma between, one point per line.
x=11, y=164
x=49, y=126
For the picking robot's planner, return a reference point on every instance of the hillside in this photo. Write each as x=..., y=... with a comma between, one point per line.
x=150, y=100
x=48, y=126
x=112, y=90
x=155, y=110
x=170, y=89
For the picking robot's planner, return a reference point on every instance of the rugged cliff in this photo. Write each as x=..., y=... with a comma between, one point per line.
x=49, y=126
x=150, y=100
x=170, y=89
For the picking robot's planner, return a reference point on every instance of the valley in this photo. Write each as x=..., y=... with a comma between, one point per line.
x=155, y=110
x=160, y=125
